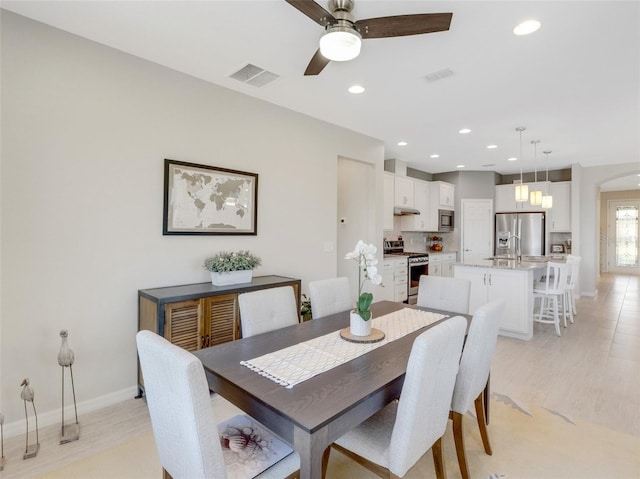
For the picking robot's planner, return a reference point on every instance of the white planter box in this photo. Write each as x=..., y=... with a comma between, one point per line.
x=231, y=277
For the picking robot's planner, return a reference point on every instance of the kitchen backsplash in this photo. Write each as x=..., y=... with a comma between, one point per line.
x=418, y=242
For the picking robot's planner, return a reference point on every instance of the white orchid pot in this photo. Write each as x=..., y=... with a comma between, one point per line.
x=231, y=277
x=358, y=326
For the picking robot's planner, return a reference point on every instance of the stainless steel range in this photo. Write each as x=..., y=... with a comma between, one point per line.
x=418, y=265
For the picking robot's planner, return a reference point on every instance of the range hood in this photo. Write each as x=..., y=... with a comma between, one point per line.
x=404, y=210
x=399, y=168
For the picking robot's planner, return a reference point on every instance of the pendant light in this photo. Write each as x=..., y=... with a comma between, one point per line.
x=535, y=197
x=522, y=190
x=547, y=200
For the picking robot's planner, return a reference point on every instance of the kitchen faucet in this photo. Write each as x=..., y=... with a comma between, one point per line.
x=517, y=238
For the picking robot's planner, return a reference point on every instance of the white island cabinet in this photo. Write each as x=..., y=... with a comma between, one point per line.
x=512, y=283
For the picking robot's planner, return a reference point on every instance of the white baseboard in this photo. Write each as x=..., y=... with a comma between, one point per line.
x=55, y=416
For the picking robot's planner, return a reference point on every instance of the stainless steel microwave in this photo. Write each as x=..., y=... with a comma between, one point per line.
x=445, y=220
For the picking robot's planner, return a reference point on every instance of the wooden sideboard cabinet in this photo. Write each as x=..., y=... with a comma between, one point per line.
x=195, y=316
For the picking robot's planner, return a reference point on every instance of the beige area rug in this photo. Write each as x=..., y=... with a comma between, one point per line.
x=528, y=442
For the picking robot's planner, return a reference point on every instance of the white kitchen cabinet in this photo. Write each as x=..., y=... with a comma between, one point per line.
x=443, y=195
x=448, y=262
x=506, y=198
x=403, y=191
x=559, y=216
x=441, y=264
x=435, y=264
x=394, y=279
x=421, y=203
x=389, y=180
x=513, y=285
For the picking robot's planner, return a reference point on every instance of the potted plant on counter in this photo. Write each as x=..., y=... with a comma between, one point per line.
x=231, y=267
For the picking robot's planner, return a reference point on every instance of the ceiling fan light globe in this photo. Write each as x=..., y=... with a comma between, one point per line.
x=340, y=44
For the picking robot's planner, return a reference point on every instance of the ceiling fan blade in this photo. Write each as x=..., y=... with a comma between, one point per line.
x=314, y=11
x=317, y=64
x=401, y=25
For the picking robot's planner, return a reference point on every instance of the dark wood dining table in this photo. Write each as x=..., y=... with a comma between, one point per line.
x=316, y=412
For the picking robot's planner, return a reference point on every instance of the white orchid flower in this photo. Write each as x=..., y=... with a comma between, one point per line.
x=365, y=255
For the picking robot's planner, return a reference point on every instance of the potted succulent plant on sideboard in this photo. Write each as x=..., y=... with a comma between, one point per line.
x=231, y=267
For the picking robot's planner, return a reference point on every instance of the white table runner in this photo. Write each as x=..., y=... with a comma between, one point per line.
x=297, y=363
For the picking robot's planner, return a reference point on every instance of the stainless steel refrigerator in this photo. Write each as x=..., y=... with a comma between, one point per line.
x=529, y=227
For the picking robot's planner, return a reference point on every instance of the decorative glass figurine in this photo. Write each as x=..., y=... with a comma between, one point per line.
x=65, y=360
x=27, y=396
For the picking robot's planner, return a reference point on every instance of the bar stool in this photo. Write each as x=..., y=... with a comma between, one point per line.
x=552, y=295
x=572, y=279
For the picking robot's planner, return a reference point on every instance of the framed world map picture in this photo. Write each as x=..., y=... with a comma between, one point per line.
x=201, y=199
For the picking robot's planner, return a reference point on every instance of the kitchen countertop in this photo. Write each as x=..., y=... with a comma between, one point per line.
x=527, y=263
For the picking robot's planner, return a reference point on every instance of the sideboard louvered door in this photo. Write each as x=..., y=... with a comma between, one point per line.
x=221, y=324
x=183, y=323
x=196, y=316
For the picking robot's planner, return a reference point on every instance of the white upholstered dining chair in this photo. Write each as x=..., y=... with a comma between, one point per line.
x=391, y=441
x=444, y=292
x=473, y=375
x=551, y=293
x=182, y=416
x=267, y=309
x=330, y=296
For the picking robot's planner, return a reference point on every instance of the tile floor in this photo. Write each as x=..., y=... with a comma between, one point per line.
x=578, y=394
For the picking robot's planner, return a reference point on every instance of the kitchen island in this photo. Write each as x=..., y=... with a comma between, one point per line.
x=510, y=280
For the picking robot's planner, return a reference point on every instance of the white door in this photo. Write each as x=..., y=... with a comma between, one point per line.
x=623, y=236
x=356, y=213
x=477, y=230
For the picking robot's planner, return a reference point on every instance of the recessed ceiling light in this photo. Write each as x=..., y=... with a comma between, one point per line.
x=527, y=27
x=459, y=166
x=513, y=158
x=464, y=131
x=491, y=147
x=435, y=155
x=402, y=143
x=356, y=89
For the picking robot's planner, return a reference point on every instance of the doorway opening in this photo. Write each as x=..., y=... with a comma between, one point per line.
x=623, y=235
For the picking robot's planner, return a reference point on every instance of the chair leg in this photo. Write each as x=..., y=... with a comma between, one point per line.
x=458, y=437
x=165, y=474
x=572, y=305
x=482, y=423
x=556, y=317
x=325, y=461
x=438, y=459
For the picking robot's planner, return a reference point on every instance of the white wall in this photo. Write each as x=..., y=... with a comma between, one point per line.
x=585, y=216
x=85, y=131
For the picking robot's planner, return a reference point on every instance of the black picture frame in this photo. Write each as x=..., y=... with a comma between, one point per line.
x=208, y=200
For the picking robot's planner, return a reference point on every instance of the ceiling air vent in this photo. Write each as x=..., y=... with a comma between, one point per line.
x=439, y=75
x=254, y=75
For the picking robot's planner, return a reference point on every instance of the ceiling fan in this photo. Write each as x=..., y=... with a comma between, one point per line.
x=342, y=37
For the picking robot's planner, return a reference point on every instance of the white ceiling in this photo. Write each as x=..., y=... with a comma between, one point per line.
x=575, y=84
